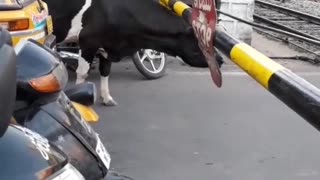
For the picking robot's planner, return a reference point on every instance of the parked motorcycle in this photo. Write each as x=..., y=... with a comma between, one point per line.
x=24, y=154
x=42, y=106
x=150, y=63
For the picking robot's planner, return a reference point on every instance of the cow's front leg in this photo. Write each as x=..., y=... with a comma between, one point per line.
x=105, y=68
x=85, y=59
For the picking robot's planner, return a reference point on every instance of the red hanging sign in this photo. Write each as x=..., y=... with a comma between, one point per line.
x=204, y=20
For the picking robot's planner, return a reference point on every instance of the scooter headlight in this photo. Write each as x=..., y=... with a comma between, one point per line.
x=40, y=67
x=68, y=172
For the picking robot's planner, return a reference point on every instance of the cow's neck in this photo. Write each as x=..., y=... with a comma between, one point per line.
x=67, y=17
x=76, y=23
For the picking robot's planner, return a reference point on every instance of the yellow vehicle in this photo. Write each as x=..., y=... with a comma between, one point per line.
x=29, y=19
x=26, y=19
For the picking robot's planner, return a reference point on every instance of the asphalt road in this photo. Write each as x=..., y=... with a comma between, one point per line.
x=182, y=127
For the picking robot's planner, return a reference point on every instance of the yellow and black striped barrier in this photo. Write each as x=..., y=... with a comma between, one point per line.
x=298, y=94
x=178, y=7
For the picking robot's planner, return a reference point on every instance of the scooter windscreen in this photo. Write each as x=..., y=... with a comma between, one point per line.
x=39, y=69
x=7, y=79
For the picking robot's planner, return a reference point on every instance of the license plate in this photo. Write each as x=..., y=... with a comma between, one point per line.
x=103, y=153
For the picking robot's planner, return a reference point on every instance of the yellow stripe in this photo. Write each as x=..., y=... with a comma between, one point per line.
x=179, y=7
x=257, y=65
x=164, y=3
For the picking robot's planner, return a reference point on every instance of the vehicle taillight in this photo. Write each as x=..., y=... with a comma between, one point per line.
x=21, y=24
x=16, y=25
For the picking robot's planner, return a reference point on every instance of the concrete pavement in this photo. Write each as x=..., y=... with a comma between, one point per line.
x=182, y=127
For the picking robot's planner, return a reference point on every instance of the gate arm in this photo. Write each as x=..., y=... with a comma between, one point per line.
x=298, y=94
x=178, y=7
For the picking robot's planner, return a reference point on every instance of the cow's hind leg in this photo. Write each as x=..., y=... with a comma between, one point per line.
x=105, y=68
x=85, y=59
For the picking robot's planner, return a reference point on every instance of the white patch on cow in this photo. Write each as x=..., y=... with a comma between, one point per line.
x=103, y=53
x=105, y=92
x=82, y=69
x=76, y=23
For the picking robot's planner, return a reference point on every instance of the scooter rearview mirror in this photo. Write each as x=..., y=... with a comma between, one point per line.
x=7, y=79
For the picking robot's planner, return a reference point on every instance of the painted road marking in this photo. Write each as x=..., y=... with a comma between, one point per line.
x=233, y=73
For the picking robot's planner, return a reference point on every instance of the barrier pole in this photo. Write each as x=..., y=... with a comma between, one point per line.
x=297, y=93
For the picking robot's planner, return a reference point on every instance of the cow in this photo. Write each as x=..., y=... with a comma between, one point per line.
x=113, y=29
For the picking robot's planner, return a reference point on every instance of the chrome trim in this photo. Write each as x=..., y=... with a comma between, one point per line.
x=70, y=55
x=10, y=7
x=27, y=32
x=19, y=46
x=63, y=173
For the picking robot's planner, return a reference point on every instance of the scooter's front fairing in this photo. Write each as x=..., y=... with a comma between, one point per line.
x=60, y=122
x=34, y=60
x=25, y=155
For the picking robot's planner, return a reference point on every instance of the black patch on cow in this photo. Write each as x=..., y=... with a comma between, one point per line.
x=123, y=27
x=62, y=13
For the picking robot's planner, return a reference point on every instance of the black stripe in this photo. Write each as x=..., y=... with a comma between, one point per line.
x=298, y=94
x=187, y=14
x=171, y=3
x=224, y=42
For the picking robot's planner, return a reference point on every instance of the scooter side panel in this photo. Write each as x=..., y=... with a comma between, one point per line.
x=23, y=157
x=80, y=128
x=48, y=126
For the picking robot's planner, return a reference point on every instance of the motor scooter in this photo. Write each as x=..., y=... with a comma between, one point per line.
x=25, y=154
x=44, y=105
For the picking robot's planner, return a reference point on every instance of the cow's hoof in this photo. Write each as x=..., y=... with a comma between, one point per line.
x=109, y=102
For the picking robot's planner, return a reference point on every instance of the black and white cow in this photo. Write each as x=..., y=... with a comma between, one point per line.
x=121, y=27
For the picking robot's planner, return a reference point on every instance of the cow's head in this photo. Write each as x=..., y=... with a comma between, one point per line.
x=172, y=34
x=164, y=31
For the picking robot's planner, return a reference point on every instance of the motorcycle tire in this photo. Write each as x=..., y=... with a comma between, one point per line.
x=147, y=73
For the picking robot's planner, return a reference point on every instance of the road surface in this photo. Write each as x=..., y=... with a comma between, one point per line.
x=182, y=127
